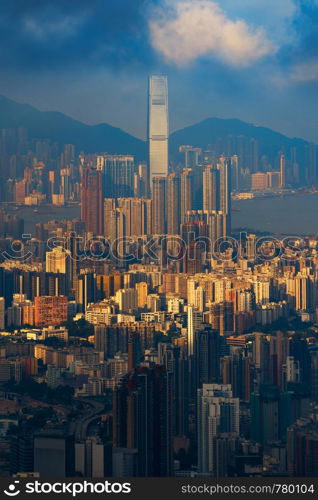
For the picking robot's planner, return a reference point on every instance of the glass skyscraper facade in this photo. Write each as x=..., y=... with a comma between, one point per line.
x=158, y=126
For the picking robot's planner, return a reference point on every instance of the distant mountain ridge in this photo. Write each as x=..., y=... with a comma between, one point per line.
x=65, y=130
x=208, y=131
x=106, y=138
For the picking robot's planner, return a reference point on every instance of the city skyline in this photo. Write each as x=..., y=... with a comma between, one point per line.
x=151, y=323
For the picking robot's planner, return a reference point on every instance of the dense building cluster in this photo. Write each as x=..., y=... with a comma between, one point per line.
x=145, y=338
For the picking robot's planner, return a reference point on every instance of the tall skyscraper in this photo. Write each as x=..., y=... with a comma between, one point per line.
x=158, y=126
x=21, y=454
x=210, y=188
x=2, y=313
x=159, y=205
x=195, y=323
x=187, y=184
x=142, y=404
x=86, y=291
x=217, y=413
x=207, y=356
x=92, y=201
x=282, y=182
x=235, y=167
x=173, y=204
x=225, y=192
x=141, y=181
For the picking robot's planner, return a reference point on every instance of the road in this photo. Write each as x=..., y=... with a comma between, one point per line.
x=80, y=426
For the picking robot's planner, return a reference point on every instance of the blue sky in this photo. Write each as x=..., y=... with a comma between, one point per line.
x=256, y=60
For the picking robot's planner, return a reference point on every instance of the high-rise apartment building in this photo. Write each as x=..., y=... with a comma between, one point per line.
x=217, y=413
x=2, y=313
x=195, y=323
x=191, y=155
x=159, y=205
x=158, y=126
x=125, y=217
x=92, y=201
x=21, y=454
x=142, y=405
x=86, y=290
x=225, y=191
x=207, y=356
x=141, y=181
x=221, y=317
x=235, y=167
x=57, y=261
x=173, y=204
x=50, y=311
x=282, y=183
x=187, y=184
x=211, y=188
x=302, y=448
x=117, y=175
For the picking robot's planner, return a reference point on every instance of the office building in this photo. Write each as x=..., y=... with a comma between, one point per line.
x=158, y=126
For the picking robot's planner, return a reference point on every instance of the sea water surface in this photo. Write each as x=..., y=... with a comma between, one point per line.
x=292, y=215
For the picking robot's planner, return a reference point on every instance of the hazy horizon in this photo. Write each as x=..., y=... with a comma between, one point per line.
x=144, y=137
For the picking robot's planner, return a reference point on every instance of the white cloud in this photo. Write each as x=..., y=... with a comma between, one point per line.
x=184, y=30
x=306, y=72
x=62, y=26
